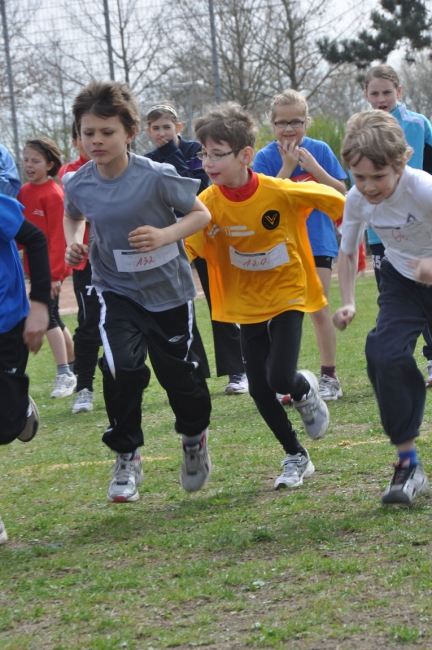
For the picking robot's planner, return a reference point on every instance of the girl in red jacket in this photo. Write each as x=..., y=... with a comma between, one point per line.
x=42, y=199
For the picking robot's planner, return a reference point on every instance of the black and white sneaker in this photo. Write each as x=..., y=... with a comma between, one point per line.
x=408, y=482
x=32, y=424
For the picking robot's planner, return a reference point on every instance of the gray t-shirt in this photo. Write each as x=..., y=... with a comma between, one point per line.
x=147, y=193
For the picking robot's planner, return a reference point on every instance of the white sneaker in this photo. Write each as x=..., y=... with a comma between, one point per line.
x=407, y=484
x=238, y=384
x=83, y=401
x=127, y=475
x=295, y=469
x=312, y=409
x=196, y=465
x=64, y=385
x=429, y=374
x=329, y=388
x=3, y=533
x=32, y=424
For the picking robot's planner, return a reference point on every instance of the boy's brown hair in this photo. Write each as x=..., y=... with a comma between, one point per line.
x=50, y=152
x=382, y=71
x=108, y=99
x=159, y=110
x=375, y=135
x=227, y=123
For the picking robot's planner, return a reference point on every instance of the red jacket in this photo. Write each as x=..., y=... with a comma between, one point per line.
x=43, y=206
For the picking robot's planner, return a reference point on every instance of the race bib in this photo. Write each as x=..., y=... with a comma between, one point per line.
x=260, y=261
x=413, y=238
x=131, y=262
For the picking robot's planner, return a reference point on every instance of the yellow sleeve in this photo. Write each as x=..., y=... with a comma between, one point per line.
x=317, y=196
x=195, y=245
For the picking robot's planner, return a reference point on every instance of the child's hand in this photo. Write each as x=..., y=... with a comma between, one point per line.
x=160, y=139
x=147, y=238
x=423, y=270
x=289, y=153
x=75, y=254
x=307, y=161
x=343, y=316
x=55, y=288
x=36, y=325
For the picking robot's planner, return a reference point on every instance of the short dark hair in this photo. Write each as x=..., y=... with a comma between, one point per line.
x=50, y=152
x=74, y=132
x=227, y=123
x=108, y=99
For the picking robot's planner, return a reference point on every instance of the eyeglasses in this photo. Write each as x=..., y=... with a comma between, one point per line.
x=215, y=156
x=294, y=124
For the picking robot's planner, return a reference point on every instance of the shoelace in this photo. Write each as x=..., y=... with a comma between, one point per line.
x=401, y=473
x=123, y=470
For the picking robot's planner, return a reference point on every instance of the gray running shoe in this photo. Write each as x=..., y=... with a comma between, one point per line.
x=295, y=469
x=83, y=401
x=127, y=475
x=429, y=374
x=329, y=388
x=32, y=424
x=313, y=409
x=196, y=465
x=3, y=533
x=407, y=484
x=64, y=385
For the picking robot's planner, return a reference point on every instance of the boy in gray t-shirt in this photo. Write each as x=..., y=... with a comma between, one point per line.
x=143, y=279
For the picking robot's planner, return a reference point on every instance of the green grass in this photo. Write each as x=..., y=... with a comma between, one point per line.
x=237, y=565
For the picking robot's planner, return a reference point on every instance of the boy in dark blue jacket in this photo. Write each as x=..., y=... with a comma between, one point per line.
x=164, y=127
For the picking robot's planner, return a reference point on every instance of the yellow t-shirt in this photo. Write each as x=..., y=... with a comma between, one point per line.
x=258, y=254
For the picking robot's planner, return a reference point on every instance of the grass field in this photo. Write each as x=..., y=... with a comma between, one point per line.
x=238, y=565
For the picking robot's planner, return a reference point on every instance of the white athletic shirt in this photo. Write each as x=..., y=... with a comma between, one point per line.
x=403, y=222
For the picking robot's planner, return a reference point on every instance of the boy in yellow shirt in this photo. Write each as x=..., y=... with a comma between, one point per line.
x=262, y=274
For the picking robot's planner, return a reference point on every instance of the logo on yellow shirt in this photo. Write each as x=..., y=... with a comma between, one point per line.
x=270, y=219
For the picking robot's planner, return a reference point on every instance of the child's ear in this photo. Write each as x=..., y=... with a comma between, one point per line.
x=179, y=127
x=247, y=154
x=131, y=135
x=50, y=166
x=398, y=92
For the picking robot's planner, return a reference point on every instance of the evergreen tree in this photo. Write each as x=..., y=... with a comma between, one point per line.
x=404, y=22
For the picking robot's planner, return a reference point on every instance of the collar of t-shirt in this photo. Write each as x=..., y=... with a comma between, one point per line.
x=244, y=192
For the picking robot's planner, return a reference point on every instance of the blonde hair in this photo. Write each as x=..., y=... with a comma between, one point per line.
x=382, y=71
x=159, y=110
x=287, y=98
x=375, y=135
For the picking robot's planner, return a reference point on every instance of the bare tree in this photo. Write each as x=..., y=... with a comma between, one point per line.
x=24, y=68
x=416, y=80
x=263, y=47
x=138, y=47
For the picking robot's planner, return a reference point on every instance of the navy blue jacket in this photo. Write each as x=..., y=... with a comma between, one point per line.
x=183, y=158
